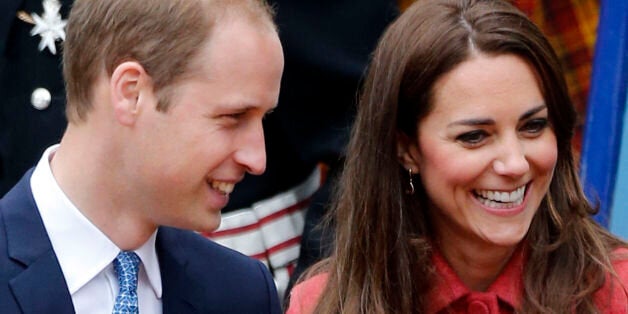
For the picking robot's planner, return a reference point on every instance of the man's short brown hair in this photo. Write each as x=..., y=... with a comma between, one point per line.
x=162, y=35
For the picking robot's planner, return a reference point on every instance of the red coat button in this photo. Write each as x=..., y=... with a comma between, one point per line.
x=478, y=307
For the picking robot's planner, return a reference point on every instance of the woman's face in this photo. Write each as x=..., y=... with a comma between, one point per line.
x=485, y=153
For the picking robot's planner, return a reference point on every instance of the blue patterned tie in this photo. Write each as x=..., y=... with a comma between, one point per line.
x=126, y=266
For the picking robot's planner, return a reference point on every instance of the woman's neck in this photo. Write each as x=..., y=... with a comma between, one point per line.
x=476, y=265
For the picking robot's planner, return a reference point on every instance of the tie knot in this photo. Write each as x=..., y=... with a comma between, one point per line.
x=126, y=266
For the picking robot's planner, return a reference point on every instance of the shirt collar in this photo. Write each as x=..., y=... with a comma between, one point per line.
x=82, y=250
x=148, y=255
x=448, y=288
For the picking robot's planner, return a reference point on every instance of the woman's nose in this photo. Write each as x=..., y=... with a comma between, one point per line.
x=512, y=159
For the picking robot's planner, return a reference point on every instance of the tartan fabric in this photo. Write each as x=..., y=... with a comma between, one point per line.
x=126, y=266
x=570, y=26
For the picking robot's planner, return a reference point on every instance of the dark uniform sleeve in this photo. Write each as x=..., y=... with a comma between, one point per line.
x=327, y=46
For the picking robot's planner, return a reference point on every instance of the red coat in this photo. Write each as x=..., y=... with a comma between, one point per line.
x=450, y=295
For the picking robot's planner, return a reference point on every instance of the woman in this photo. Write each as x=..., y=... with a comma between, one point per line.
x=470, y=201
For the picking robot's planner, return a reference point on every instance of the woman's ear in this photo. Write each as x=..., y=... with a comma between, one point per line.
x=408, y=153
x=129, y=85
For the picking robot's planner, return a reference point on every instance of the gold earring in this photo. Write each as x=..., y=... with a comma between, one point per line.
x=410, y=190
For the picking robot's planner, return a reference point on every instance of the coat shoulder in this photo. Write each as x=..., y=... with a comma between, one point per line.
x=613, y=296
x=228, y=280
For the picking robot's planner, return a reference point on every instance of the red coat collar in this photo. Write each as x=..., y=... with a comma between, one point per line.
x=450, y=292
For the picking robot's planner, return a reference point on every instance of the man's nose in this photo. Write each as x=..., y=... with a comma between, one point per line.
x=252, y=151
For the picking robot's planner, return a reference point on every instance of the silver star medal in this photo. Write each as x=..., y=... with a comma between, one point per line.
x=49, y=26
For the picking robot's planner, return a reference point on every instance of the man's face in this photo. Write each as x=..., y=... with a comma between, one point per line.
x=190, y=157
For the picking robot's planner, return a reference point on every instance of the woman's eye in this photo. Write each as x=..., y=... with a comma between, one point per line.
x=472, y=138
x=535, y=126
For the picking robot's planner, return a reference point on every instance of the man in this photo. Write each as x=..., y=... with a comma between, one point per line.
x=165, y=101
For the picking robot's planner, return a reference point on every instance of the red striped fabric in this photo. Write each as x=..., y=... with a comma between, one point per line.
x=270, y=230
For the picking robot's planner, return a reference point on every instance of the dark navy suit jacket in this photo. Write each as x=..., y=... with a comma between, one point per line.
x=198, y=276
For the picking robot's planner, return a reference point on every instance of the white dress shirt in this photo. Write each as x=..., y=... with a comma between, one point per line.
x=86, y=254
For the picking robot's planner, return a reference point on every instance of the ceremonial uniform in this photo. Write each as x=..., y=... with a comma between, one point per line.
x=32, y=95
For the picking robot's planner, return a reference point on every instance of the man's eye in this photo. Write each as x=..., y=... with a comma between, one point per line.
x=233, y=117
x=472, y=138
x=236, y=115
x=230, y=119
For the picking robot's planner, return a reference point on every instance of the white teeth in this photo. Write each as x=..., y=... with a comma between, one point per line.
x=223, y=187
x=499, y=199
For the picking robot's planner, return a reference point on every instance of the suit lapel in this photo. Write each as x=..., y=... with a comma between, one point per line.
x=180, y=294
x=41, y=287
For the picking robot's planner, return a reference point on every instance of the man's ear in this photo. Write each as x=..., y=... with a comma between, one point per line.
x=408, y=152
x=129, y=86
